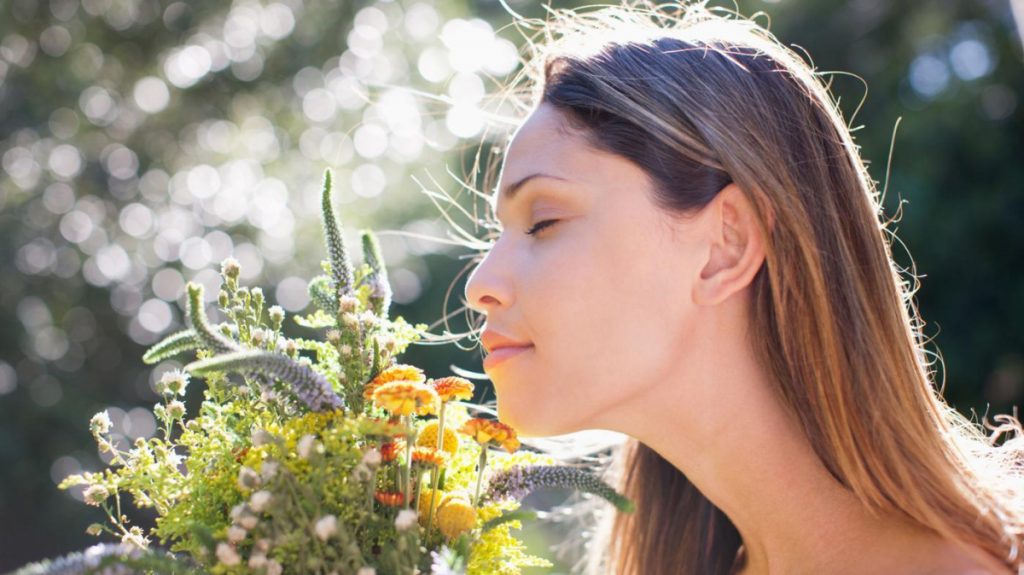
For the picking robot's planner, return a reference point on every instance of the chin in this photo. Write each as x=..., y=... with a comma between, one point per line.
x=529, y=419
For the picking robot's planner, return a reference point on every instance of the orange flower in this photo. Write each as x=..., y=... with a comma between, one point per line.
x=429, y=456
x=485, y=431
x=397, y=372
x=404, y=397
x=391, y=499
x=391, y=450
x=452, y=387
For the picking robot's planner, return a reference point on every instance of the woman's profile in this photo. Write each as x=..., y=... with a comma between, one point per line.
x=692, y=254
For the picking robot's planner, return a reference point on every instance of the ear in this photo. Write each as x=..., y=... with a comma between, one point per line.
x=735, y=247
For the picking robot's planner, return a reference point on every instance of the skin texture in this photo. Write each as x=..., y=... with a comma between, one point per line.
x=638, y=322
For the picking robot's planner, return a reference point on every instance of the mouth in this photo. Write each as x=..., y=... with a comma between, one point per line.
x=503, y=354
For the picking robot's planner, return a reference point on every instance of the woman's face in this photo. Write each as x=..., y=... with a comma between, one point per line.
x=602, y=294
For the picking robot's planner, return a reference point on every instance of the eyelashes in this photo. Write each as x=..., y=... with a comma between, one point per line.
x=540, y=226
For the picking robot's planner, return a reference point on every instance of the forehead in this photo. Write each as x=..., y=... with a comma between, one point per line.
x=542, y=145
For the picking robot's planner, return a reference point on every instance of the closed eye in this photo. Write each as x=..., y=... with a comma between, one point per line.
x=540, y=226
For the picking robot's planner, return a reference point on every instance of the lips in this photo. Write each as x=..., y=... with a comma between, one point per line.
x=501, y=347
x=493, y=341
x=503, y=354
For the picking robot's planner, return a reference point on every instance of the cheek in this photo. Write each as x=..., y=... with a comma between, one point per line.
x=605, y=326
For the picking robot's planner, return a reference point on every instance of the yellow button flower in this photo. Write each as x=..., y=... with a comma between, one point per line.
x=423, y=505
x=455, y=515
x=428, y=438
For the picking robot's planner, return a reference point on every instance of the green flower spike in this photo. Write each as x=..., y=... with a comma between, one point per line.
x=341, y=265
x=172, y=345
x=201, y=326
x=517, y=482
x=380, y=289
x=321, y=292
x=308, y=385
x=180, y=342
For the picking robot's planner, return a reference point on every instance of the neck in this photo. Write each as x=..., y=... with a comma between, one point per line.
x=728, y=431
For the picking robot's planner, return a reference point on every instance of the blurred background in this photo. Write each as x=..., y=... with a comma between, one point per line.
x=143, y=141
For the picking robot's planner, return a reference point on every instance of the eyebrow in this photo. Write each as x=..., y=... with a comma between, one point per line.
x=511, y=190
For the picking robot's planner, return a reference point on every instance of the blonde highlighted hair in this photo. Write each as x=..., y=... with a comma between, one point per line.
x=699, y=98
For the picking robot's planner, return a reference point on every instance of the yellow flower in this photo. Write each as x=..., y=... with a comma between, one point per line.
x=405, y=397
x=428, y=438
x=452, y=387
x=455, y=515
x=424, y=503
x=485, y=431
x=397, y=372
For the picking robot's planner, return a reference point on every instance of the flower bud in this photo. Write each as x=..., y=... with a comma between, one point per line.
x=100, y=423
x=230, y=268
x=405, y=520
x=268, y=469
x=236, y=533
x=348, y=304
x=260, y=500
x=96, y=494
x=326, y=527
x=173, y=382
x=248, y=478
x=175, y=410
x=276, y=314
x=262, y=437
x=227, y=554
x=305, y=446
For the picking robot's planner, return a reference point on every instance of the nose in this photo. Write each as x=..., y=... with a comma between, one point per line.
x=487, y=287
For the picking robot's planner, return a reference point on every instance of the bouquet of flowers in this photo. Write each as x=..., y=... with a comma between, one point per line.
x=314, y=455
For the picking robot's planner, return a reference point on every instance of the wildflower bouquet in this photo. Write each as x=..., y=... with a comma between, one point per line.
x=314, y=455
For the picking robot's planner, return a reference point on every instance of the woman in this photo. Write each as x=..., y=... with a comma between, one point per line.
x=691, y=255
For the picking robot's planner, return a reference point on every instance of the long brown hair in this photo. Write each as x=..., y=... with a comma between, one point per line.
x=699, y=99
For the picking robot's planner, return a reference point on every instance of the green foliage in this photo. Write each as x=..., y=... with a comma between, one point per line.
x=286, y=473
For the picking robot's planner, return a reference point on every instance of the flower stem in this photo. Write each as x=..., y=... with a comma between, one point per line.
x=372, y=490
x=410, y=438
x=435, y=473
x=480, y=475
